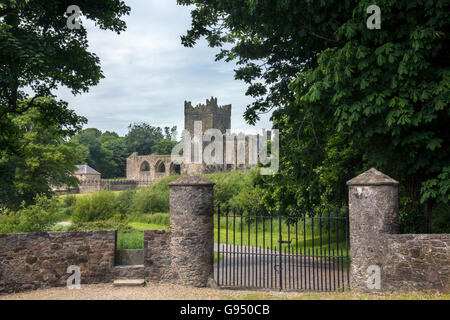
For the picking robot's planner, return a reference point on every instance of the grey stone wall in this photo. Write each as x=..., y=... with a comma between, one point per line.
x=192, y=234
x=40, y=260
x=406, y=262
x=157, y=254
x=417, y=262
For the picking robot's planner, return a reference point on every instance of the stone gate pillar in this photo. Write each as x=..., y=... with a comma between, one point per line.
x=192, y=234
x=373, y=213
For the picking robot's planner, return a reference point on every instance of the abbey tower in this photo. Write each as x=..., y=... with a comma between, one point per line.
x=211, y=114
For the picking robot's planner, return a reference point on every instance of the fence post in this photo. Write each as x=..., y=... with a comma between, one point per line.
x=192, y=231
x=373, y=213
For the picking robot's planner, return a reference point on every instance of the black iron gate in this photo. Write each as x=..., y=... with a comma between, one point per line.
x=283, y=250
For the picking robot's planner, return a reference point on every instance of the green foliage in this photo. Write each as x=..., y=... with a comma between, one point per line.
x=41, y=158
x=130, y=240
x=440, y=222
x=98, y=206
x=38, y=55
x=346, y=98
x=235, y=189
x=154, y=198
x=151, y=204
x=38, y=217
x=107, y=152
x=100, y=225
x=162, y=219
x=145, y=139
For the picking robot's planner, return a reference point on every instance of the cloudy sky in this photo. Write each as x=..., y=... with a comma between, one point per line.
x=149, y=74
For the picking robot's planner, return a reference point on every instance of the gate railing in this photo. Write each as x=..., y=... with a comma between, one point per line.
x=285, y=250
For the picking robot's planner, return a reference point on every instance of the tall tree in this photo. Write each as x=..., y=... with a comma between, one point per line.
x=43, y=157
x=142, y=137
x=362, y=97
x=39, y=54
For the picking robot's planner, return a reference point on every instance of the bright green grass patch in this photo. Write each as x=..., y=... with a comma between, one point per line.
x=347, y=295
x=141, y=226
x=130, y=240
x=135, y=239
x=217, y=257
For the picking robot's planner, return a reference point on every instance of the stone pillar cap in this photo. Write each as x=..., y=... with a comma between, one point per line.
x=372, y=177
x=191, y=181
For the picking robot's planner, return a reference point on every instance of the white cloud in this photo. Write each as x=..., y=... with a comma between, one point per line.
x=149, y=74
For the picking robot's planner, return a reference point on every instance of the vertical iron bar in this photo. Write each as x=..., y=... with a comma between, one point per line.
x=342, y=269
x=249, y=251
x=256, y=248
x=346, y=246
x=312, y=249
x=301, y=268
x=289, y=245
x=296, y=246
x=304, y=246
x=321, y=257
x=281, y=249
x=227, y=247
x=337, y=249
x=234, y=246
x=329, y=248
x=334, y=272
x=309, y=269
x=264, y=251
x=325, y=265
x=241, y=248
x=271, y=248
x=218, y=244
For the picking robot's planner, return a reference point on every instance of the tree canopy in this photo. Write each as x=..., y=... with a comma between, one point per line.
x=344, y=97
x=38, y=55
x=107, y=152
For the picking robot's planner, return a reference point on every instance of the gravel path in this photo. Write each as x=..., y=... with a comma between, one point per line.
x=151, y=291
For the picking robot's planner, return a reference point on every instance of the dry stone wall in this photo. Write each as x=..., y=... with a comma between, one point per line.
x=40, y=260
x=404, y=261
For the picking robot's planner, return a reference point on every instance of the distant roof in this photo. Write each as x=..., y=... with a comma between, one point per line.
x=85, y=169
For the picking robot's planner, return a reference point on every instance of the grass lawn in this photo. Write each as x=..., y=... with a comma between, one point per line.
x=347, y=295
x=262, y=237
x=135, y=239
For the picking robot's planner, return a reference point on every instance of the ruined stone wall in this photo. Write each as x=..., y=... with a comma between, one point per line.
x=40, y=260
x=89, y=186
x=211, y=114
x=119, y=185
x=136, y=163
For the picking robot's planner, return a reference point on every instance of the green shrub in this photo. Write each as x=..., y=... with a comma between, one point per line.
x=35, y=218
x=440, y=219
x=124, y=201
x=235, y=189
x=97, y=206
x=162, y=219
x=100, y=225
x=69, y=200
x=154, y=198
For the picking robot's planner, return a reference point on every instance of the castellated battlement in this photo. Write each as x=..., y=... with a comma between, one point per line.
x=211, y=114
x=210, y=106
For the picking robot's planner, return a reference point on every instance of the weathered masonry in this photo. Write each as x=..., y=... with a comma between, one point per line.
x=404, y=261
x=185, y=254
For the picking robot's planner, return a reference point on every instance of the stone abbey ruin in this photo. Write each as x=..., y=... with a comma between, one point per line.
x=212, y=116
x=142, y=170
